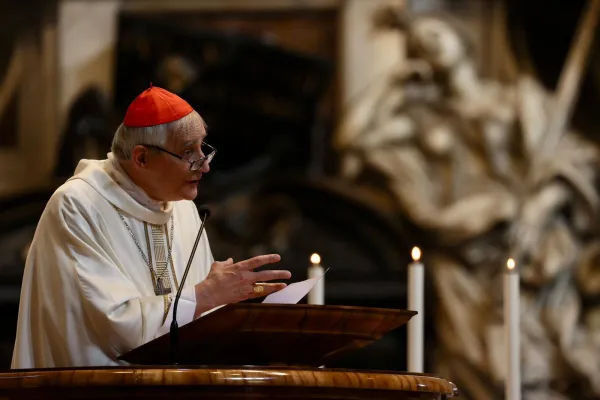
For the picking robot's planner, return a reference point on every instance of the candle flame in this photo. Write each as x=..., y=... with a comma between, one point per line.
x=315, y=258
x=415, y=253
x=510, y=264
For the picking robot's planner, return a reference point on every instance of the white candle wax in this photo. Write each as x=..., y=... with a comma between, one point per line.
x=512, y=332
x=416, y=302
x=317, y=293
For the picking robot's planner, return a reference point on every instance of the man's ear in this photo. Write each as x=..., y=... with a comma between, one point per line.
x=139, y=156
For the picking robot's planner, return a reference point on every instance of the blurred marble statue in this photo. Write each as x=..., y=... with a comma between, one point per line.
x=455, y=150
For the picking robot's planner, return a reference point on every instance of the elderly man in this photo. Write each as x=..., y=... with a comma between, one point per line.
x=113, y=242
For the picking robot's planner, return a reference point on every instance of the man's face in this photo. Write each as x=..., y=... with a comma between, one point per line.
x=170, y=178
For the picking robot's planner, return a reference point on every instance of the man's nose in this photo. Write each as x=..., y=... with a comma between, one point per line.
x=205, y=167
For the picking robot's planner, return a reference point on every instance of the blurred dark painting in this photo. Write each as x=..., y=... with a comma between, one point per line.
x=88, y=133
x=260, y=101
x=9, y=125
x=19, y=214
x=9, y=67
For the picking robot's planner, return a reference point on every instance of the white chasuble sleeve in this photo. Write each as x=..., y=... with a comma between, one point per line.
x=114, y=309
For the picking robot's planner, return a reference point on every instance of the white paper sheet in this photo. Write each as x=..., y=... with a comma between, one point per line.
x=294, y=292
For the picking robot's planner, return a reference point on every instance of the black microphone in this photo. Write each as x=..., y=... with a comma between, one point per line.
x=174, y=332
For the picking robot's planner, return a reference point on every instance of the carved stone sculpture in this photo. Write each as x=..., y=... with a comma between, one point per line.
x=455, y=149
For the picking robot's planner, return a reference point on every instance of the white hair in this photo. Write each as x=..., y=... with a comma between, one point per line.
x=126, y=137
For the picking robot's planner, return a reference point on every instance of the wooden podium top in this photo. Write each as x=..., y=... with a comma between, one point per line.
x=272, y=334
x=222, y=383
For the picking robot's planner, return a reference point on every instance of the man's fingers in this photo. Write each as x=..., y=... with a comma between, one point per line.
x=225, y=263
x=272, y=275
x=258, y=261
x=270, y=288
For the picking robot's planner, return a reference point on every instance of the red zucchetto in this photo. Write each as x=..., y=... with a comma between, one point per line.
x=156, y=106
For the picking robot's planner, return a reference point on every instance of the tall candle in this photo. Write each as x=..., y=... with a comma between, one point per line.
x=317, y=293
x=512, y=331
x=416, y=302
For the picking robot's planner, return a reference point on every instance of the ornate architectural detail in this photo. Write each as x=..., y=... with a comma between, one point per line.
x=456, y=152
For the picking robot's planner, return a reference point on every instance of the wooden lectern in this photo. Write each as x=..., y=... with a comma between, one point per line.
x=245, y=351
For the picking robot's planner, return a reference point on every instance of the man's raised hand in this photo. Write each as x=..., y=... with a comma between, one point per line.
x=229, y=282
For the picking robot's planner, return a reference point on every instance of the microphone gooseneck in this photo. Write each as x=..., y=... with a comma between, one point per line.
x=174, y=331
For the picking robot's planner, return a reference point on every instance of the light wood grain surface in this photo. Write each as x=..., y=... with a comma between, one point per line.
x=225, y=377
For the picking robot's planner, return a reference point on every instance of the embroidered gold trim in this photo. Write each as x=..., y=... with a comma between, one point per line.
x=173, y=272
x=167, y=305
x=154, y=284
x=163, y=280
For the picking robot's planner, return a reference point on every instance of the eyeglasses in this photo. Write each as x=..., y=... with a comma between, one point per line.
x=196, y=164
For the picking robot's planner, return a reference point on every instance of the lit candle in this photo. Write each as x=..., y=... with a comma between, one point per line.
x=512, y=331
x=416, y=302
x=317, y=293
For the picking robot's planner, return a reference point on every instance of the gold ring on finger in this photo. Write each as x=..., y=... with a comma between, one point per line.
x=258, y=288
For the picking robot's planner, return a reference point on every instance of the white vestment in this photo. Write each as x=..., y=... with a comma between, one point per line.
x=88, y=293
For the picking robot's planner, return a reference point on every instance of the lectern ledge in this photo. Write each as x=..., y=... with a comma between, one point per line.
x=246, y=350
